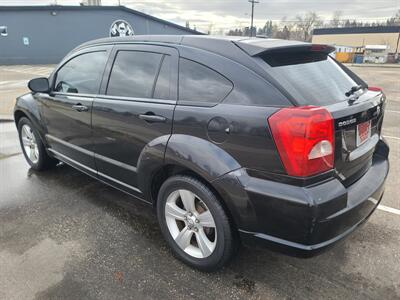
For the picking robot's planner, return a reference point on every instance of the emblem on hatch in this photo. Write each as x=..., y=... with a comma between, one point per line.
x=347, y=122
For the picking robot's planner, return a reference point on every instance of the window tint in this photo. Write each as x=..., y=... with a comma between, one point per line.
x=82, y=74
x=133, y=74
x=162, y=90
x=313, y=78
x=200, y=83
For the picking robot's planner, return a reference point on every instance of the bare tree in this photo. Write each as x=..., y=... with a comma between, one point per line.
x=306, y=23
x=336, y=18
x=394, y=20
x=302, y=28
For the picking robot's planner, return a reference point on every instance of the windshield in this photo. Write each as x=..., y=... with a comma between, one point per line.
x=312, y=78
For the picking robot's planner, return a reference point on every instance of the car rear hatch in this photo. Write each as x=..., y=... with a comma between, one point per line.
x=310, y=77
x=358, y=128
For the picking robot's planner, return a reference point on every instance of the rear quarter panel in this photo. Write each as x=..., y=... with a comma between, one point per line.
x=239, y=131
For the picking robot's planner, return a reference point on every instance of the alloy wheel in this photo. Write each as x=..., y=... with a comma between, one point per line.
x=29, y=143
x=190, y=223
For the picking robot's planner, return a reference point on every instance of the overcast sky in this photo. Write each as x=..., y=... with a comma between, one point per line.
x=225, y=14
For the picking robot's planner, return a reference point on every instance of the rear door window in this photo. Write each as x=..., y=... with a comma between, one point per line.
x=163, y=86
x=134, y=73
x=312, y=78
x=198, y=83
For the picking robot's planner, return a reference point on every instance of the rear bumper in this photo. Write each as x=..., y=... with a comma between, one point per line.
x=305, y=220
x=307, y=250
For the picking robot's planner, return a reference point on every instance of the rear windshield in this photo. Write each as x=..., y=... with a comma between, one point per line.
x=312, y=78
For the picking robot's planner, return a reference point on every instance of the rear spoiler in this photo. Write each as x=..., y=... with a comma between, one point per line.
x=258, y=47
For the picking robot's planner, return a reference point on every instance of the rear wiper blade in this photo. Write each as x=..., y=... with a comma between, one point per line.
x=353, y=90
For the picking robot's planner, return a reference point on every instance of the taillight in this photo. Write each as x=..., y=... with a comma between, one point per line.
x=374, y=89
x=305, y=140
x=318, y=47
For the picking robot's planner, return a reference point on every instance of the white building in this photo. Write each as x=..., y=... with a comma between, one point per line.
x=377, y=54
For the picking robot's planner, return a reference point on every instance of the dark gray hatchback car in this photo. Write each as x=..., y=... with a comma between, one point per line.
x=230, y=139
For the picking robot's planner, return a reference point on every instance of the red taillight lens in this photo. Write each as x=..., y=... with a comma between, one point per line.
x=374, y=89
x=305, y=140
x=318, y=48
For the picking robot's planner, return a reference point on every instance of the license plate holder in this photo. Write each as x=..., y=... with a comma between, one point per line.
x=363, y=132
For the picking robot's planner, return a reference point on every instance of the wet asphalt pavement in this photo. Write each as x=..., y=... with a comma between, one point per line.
x=63, y=235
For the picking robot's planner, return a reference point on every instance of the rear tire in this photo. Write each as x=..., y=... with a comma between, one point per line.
x=32, y=146
x=194, y=223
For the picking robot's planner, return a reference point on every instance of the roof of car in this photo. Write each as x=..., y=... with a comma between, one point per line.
x=251, y=46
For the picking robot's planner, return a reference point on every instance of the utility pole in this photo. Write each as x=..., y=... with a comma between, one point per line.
x=252, y=15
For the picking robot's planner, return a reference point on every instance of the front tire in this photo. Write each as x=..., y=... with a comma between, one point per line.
x=32, y=146
x=194, y=223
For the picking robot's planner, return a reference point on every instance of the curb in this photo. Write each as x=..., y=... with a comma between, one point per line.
x=5, y=119
x=392, y=66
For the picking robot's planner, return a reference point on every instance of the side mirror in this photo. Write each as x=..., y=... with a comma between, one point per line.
x=39, y=85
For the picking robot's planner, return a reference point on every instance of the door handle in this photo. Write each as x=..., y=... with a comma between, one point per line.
x=151, y=118
x=79, y=107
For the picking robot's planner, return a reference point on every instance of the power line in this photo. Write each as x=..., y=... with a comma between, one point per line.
x=252, y=15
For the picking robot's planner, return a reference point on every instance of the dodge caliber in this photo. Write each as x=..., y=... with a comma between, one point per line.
x=231, y=140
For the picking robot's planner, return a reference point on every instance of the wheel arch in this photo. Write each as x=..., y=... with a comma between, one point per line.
x=184, y=152
x=27, y=106
x=168, y=171
x=18, y=114
x=180, y=154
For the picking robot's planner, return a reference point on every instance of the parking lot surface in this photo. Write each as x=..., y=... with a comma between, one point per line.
x=13, y=82
x=65, y=235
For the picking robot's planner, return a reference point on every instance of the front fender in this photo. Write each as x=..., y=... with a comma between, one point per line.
x=29, y=106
